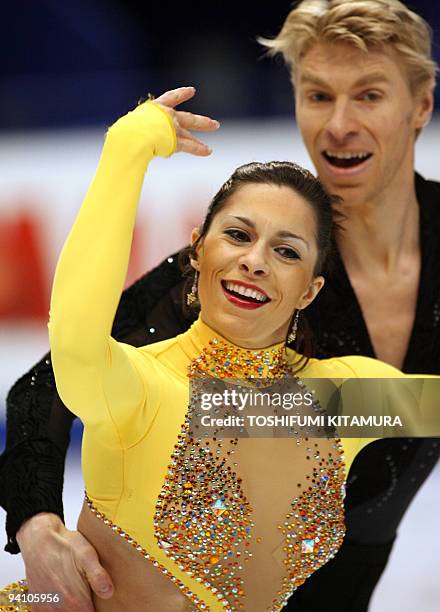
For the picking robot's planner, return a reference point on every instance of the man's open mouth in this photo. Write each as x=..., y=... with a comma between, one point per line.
x=346, y=159
x=252, y=296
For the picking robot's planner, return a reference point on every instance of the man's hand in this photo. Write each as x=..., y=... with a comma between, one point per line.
x=61, y=561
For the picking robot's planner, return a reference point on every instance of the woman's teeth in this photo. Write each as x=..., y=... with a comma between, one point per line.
x=246, y=292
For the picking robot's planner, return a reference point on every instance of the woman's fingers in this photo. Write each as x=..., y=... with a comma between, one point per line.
x=176, y=96
x=193, y=146
x=187, y=143
x=198, y=123
x=183, y=133
x=186, y=122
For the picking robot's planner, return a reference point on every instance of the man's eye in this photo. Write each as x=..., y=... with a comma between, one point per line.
x=237, y=234
x=288, y=253
x=319, y=97
x=370, y=96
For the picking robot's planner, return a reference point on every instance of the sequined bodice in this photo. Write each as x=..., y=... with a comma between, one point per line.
x=221, y=359
x=251, y=518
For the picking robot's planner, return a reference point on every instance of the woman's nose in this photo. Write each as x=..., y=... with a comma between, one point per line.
x=254, y=264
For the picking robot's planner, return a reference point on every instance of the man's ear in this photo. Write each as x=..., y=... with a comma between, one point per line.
x=195, y=234
x=425, y=106
x=311, y=292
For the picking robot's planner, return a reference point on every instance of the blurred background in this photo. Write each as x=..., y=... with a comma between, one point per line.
x=68, y=70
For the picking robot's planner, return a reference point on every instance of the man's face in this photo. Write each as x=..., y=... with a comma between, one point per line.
x=358, y=119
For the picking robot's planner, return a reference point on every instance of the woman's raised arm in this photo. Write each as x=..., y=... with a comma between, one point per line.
x=92, y=267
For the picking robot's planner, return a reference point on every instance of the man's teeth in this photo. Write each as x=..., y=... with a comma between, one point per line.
x=245, y=291
x=347, y=155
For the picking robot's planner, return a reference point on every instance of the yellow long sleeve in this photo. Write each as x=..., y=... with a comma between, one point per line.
x=89, y=365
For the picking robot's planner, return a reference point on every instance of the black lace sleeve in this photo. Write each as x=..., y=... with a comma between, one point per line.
x=37, y=436
x=38, y=423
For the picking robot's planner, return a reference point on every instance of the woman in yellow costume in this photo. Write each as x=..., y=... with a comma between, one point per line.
x=183, y=522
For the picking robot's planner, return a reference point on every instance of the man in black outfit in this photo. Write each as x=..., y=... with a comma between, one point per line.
x=363, y=78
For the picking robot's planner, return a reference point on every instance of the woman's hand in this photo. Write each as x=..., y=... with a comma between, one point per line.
x=184, y=121
x=61, y=561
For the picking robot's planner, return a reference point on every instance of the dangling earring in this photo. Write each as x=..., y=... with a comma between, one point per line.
x=292, y=336
x=192, y=297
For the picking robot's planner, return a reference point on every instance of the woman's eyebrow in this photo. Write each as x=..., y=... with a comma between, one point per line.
x=280, y=234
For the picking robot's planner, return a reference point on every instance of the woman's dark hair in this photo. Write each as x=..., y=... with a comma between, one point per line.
x=302, y=182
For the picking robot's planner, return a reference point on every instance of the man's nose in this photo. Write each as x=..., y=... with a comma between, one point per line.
x=341, y=123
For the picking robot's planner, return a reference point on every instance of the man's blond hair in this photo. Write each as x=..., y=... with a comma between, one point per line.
x=365, y=24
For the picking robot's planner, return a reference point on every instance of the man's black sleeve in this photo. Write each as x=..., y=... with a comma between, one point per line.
x=37, y=422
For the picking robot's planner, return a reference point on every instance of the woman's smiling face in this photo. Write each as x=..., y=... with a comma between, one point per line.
x=264, y=240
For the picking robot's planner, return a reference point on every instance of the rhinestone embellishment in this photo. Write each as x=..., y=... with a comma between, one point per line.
x=185, y=590
x=203, y=520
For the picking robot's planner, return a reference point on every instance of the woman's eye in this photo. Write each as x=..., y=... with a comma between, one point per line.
x=288, y=253
x=238, y=235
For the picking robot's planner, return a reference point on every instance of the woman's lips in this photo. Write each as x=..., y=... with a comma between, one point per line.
x=242, y=303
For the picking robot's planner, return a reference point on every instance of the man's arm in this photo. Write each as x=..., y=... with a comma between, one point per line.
x=31, y=469
x=38, y=423
x=37, y=437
